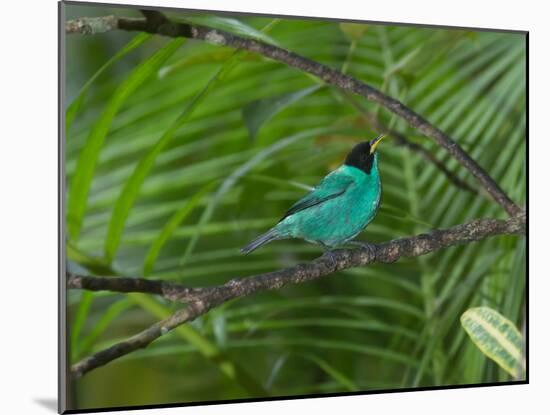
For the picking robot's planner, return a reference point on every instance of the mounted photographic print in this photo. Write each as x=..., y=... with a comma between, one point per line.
x=274, y=207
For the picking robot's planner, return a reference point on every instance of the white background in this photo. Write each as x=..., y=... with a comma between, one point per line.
x=28, y=203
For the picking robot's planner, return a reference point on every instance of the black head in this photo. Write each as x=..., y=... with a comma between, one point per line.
x=362, y=155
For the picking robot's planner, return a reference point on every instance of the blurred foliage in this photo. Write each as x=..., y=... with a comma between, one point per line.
x=180, y=184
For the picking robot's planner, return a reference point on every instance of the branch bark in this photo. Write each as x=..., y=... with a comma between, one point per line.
x=169, y=290
x=201, y=300
x=157, y=23
x=136, y=342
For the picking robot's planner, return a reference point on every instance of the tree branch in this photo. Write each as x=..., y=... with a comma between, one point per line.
x=403, y=141
x=201, y=300
x=157, y=23
x=137, y=341
x=169, y=290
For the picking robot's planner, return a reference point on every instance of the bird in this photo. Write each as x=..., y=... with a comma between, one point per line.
x=338, y=209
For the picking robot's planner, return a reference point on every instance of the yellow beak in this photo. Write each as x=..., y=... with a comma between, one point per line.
x=374, y=143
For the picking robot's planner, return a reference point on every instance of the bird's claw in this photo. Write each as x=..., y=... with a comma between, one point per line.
x=330, y=255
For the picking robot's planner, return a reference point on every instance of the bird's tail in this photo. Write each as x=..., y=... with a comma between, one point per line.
x=263, y=239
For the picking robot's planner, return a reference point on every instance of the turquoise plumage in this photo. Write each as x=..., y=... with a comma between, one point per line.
x=338, y=208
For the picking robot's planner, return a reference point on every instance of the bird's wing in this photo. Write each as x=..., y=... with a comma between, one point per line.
x=333, y=185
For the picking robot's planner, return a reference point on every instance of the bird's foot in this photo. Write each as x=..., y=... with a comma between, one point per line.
x=365, y=245
x=332, y=257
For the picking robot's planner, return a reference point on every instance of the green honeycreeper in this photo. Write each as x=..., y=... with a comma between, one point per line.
x=338, y=208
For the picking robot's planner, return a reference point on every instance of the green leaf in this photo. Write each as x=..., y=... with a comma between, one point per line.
x=215, y=56
x=257, y=113
x=403, y=62
x=329, y=301
x=131, y=189
x=278, y=182
x=219, y=326
x=354, y=31
x=275, y=370
x=77, y=102
x=347, y=324
x=497, y=337
x=110, y=313
x=84, y=173
x=96, y=265
x=306, y=342
x=170, y=227
x=333, y=372
x=79, y=321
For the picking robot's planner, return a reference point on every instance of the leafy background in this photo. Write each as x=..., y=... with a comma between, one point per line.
x=199, y=149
